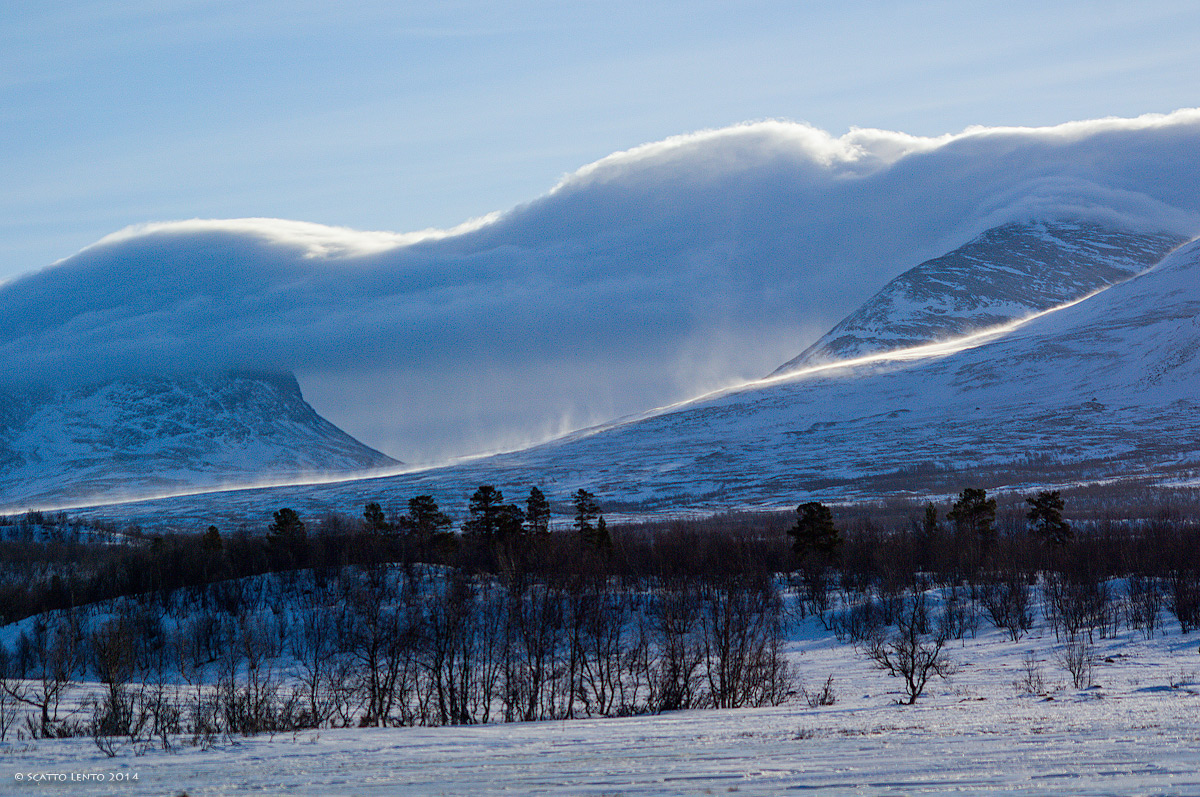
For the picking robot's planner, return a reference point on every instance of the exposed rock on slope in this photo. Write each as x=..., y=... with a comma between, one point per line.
x=155, y=434
x=1004, y=274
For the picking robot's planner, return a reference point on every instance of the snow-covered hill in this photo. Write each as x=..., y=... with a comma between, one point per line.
x=1105, y=388
x=1004, y=274
x=137, y=437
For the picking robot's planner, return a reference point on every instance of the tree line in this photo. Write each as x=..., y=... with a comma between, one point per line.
x=393, y=618
x=391, y=644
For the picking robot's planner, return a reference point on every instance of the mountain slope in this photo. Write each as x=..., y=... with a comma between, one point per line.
x=1102, y=389
x=1006, y=273
x=158, y=434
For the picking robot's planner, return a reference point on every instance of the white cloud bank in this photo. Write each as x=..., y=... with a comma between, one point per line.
x=641, y=279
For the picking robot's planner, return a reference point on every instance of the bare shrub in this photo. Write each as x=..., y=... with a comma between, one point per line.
x=10, y=690
x=51, y=658
x=1031, y=681
x=603, y=642
x=672, y=668
x=1182, y=677
x=1078, y=657
x=8, y=712
x=960, y=614
x=910, y=654
x=381, y=640
x=740, y=631
x=1006, y=600
x=858, y=623
x=821, y=697
x=314, y=648
x=1145, y=602
x=1183, y=598
x=121, y=717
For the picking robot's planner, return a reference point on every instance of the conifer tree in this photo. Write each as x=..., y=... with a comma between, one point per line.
x=374, y=519
x=1046, y=518
x=814, y=534
x=287, y=527
x=930, y=522
x=491, y=517
x=212, y=539
x=424, y=518
x=537, y=513
x=602, y=538
x=586, y=513
x=286, y=538
x=510, y=522
x=974, y=513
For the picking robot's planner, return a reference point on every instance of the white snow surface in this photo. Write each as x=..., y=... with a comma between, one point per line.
x=1133, y=733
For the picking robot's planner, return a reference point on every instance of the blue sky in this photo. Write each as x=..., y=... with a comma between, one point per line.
x=404, y=116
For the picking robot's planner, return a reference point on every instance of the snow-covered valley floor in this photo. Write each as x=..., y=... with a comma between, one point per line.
x=1136, y=732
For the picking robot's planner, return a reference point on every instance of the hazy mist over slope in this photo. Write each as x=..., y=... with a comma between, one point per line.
x=642, y=279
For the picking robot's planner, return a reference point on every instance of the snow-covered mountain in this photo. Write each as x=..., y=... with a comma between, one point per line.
x=1006, y=273
x=147, y=435
x=639, y=280
x=140, y=436
x=1105, y=388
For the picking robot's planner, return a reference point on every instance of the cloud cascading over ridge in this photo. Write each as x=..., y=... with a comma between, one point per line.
x=640, y=279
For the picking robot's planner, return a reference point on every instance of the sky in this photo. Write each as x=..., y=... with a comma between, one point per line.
x=388, y=116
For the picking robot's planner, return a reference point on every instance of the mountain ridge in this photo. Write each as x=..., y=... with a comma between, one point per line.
x=636, y=282
x=138, y=436
x=1003, y=274
x=1100, y=390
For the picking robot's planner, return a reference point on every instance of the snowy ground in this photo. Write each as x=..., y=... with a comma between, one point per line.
x=1136, y=732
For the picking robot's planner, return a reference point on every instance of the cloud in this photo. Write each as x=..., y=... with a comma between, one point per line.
x=638, y=280
x=314, y=240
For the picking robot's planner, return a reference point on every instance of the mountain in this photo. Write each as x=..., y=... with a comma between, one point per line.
x=150, y=435
x=639, y=280
x=1102, y=389
x=1004, y=274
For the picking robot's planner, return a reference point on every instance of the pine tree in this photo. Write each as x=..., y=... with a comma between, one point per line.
x=1046, y=518
x=930, y=522
x=491, y=517
x=510, y=522
x=424, y=518
x=537, y=513
x=374, y=519
x=602, y=538
x=814, y=534
x=586, y=512
x=212, y=539
x=287, y=527
x=974, y=513
x=287, y=539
